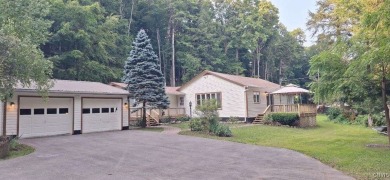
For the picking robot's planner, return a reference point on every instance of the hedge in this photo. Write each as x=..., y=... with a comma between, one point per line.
x=284, y=118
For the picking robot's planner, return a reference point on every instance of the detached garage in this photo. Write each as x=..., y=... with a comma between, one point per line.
x=71, y=107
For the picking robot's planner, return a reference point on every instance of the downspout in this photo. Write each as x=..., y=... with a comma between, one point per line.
x=4, y=118
x=246, y=103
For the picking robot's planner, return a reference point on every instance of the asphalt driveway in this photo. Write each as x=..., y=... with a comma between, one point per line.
x=138, y=154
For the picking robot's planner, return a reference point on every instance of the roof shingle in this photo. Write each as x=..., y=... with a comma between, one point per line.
x=83, y=87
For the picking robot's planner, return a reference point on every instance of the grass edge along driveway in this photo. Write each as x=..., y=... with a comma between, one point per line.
x=340, y=146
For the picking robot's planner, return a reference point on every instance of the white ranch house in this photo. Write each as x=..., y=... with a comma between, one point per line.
x=77, y=107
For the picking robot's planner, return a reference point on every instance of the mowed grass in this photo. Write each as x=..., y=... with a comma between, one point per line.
x=340, y=146
x=18, y=150
x=152, y=129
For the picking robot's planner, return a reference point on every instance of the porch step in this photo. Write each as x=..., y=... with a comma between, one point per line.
x=151, y=122
x=259, y=119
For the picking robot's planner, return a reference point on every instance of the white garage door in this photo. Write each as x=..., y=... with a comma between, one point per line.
x=40, y=118
x=101, y=115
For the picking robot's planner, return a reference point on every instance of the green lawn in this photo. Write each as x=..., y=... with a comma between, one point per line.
x=153, y=129
x=340, y=146
x=18, y=150
x=183, y=126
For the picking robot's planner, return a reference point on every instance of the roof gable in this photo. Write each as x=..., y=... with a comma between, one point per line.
x=239, y=80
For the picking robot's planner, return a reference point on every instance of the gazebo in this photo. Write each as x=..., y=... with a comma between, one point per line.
x=288, y=94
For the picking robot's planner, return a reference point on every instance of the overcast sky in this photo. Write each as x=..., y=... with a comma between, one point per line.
x=295, y=13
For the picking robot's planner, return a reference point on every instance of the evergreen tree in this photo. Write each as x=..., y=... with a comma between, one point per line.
x=143, y=76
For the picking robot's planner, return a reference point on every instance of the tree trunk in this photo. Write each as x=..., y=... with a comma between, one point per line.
x=159, y=49
x=173, y=78
x=384, y=99
x=143, y=122
x=121, y=6
x=237, y=54
x=280, y=72
x=131, y=18
x=258, y=61
x=369, y=121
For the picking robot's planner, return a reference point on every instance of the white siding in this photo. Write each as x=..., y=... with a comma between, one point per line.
x=233, y=96
x=125, y=112
x=1, y=117
x=256, y=108
x=77, y=113
x=12, y=124
x=172, y=100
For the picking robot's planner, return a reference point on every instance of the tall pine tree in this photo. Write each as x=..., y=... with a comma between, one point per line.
x=143, y=76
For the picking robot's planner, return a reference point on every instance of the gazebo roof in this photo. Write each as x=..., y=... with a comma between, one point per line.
x=291, y=89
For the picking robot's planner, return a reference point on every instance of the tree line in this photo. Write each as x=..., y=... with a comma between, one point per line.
x=91, y=39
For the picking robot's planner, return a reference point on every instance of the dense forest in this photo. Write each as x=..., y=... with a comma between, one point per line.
x=91, y=39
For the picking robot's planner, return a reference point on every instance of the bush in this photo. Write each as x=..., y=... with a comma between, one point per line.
x=361, y=119
x=184, y=118
x=341, y=119
x=166, y=120
x=233, y=119
x=196, y=124
x=283, y=118
x=223, y=131
x=379, y=119
x=333, y=112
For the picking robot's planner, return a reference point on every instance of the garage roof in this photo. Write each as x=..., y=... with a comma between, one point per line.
x=77, y=87
x=168, y=89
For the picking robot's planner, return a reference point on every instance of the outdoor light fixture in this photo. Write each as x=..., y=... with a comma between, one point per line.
x=126, y=104
x=12, y=104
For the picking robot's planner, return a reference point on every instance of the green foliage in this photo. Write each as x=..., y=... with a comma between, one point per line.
x=196, y=124
x=233, y=119
x=166, y=119
x=333, y=112
x=184, y=118
x=223, y=131
x=22, y=30
x=209, y=119
x=284, y=118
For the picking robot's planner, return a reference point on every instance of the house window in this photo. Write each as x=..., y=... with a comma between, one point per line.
x=256, y=97
x=181, y=101
x=201, y=98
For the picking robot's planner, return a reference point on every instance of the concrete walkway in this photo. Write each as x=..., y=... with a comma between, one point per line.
x=148, y=155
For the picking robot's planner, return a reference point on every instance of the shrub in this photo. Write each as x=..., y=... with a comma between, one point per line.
x=184, y=118
x=341, y=119
x=361, y=119
x=284, y=118
x=196, y=124
x=379, y=119
x=166, y=120
x=333, y=112
x=223, y=131
x=233, y=119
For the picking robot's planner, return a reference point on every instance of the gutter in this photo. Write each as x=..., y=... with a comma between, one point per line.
x=246, y=102
x=4, y=118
